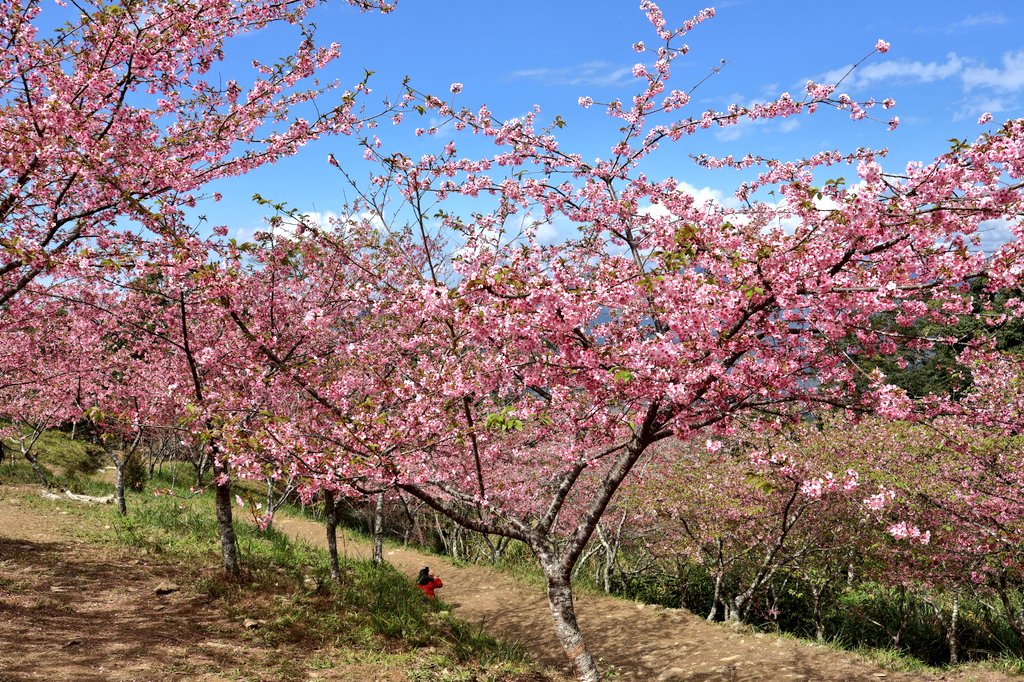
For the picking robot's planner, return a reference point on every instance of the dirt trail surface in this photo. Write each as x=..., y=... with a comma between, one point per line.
x=635, y=641
x=72, y=610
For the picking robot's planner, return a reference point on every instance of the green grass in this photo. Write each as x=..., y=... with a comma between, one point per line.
x=375, y=615
x=61, y=453
x=374, y=611
x=889, y=659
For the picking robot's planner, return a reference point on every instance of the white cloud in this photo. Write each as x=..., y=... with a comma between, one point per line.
x=319, y=219
x=556, y=230
x=593, y=74
x=1008, y=78
x=788, y=125
x=705, y=194
x=975, y=106
x=995, y=233
x=983, y=19
x=243, y=233
x=916, y=72
x=745, y=127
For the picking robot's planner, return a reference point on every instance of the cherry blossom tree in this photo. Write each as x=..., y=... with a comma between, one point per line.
x=513, y=386
x=119, y=113
x=519, y=385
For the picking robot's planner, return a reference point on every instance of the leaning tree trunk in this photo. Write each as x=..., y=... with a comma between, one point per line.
x=37, y=468
x=1014, y=616
x=228, y=541
x=378, y=529
x=563, y=613
x=26, y=446
x=331, y=522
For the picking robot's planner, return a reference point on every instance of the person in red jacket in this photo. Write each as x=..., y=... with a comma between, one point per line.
x=428, y=582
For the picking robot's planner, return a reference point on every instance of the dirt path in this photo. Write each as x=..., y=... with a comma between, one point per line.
x=638, y=642
x=73, y=610
x=70, y=610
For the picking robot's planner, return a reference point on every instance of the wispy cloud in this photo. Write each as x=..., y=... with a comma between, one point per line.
x=593, y=74
x=994, y=233
x=789, y=125
x=983, y=19
x=1007, y=78
x=760, y=126
x=972, y=107
x=898, y=71
x=981, y=81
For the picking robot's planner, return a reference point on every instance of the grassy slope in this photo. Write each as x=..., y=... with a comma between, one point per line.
x=375, y=616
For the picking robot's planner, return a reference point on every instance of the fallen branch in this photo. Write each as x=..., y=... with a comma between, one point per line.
x=106, y=499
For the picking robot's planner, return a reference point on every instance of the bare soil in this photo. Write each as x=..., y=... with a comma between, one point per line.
x=72, y=610
x=633, y=641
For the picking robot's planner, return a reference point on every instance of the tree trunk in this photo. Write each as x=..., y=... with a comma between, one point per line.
x=331, y=521
x=735, y=609
x=36, y=467
x=897, y=639
x=122, y=505
x=228, y=542
x=378, y=529
x=719, y=574
x=952, y=636
x=819, y=625
x=716, y=598
x=950, y=626
x=563, y=613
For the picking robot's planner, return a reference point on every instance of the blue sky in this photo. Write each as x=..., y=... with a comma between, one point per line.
x=949, y=63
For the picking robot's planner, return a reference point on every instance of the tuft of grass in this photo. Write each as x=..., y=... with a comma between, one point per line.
x=891, y=659
x=17, y=472
x=1006, y=663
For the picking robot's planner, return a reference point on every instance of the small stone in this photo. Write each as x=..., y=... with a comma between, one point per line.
x=166, y=587
x=159, y=607
x=310, y=582
x=250, y=623
x=71, y=643
x=730, y=658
